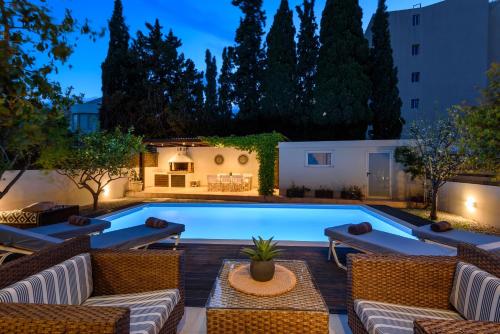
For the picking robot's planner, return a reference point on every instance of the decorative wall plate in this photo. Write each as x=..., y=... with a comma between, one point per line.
x=243, y=159
x=219, y=159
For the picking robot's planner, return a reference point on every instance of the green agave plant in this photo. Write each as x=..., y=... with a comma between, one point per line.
x=265, y=250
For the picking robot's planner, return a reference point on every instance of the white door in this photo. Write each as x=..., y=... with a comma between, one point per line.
x=379, y=174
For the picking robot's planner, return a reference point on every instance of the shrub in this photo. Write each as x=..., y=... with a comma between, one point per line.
x=352, y=192
x=296, y=191
x=264, y=145
x=323, y=193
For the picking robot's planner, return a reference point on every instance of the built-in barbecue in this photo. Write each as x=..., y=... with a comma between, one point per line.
x=181, y=162
x=179, y=172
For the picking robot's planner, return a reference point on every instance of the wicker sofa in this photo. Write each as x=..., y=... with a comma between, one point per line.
x=414, y=281
x=113, y=272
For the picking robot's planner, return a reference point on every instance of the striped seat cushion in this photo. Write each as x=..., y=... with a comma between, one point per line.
x=385, y=318
x=476, y=293
x=69, y=282
x=148, y=310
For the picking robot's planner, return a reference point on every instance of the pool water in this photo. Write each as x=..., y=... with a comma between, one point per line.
x=242, y=221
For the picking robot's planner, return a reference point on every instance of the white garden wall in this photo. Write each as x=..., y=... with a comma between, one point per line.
x=474, y=201
x=37, y=185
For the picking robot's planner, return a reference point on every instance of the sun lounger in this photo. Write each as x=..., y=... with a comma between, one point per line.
x=14, y=240
x=455, y=237
x=137, y=237
x=68, y=231
x=379, y=242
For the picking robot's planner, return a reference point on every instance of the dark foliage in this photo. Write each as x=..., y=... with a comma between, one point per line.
x=166, y=90
x=187, y=103
x=248, y=59
x=307, y=54
x=226, y=91
x=296, y=191
x=116, y=73
x=385, y=102
x=280, y=79
x=210, y=116
x=323, y=193
x=342, y=85
x=351, y=192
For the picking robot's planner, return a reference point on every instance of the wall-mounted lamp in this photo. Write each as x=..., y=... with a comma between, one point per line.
x=470, y=203
x=106, y=191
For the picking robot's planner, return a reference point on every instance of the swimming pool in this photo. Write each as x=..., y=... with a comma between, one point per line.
x=287, y=222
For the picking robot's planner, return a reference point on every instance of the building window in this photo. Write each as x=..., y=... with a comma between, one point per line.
x=415, y=76
x=415, y=103
x=416, y=19
x=415, y=49
x=319, y=159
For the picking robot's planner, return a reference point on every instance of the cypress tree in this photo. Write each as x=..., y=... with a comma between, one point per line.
x=342, y=85
x=280, y=78
x=115, y=72
x=385, y=102
x=211, y=115
x=185, y=111
x=307, y=54
x=158, y=67
x=226, y=91
x=249, y=56
x=151, y=110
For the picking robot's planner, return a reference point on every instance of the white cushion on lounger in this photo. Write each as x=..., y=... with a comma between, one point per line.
x=148, y=310
x=383, y=242
x=69, y=282
x=456, y=236
x=492, y=246
x=385, y=318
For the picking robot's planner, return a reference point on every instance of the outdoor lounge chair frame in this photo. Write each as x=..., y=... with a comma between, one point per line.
x=384, y=278
x=7, y=251
x=332, y=251
x=334, y=243
x=176, y=237
x=147, y=266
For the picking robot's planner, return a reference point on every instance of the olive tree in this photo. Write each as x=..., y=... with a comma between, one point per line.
x=434, y=155
x=480, y=125
x=32, y=45
x=95, y=160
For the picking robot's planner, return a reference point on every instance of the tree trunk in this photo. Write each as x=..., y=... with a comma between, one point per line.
x=433, y=215
x=95, y=198
x=11, y=183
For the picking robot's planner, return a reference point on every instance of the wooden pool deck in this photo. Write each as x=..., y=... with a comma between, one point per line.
x=204, y=260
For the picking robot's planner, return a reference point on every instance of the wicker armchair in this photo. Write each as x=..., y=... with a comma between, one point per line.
x=113, y=272
x=421, y=281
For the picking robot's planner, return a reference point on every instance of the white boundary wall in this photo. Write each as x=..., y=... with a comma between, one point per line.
x=474, y=201
x=37, y=185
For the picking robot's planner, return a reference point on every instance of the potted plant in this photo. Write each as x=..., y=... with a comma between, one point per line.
x=262, y=265
x=134, y=181
x=296, y=191
x=323, y=193
x=352, y=192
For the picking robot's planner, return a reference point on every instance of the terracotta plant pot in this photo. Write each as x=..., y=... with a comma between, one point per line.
x=262, y=271
x=135, y=186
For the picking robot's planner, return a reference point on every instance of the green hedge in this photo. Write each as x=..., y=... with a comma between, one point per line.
x=264, y=145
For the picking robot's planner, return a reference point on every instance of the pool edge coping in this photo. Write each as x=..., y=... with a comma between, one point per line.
x=407, y=227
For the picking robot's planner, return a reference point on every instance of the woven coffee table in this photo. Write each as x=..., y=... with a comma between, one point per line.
x=302, y=310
